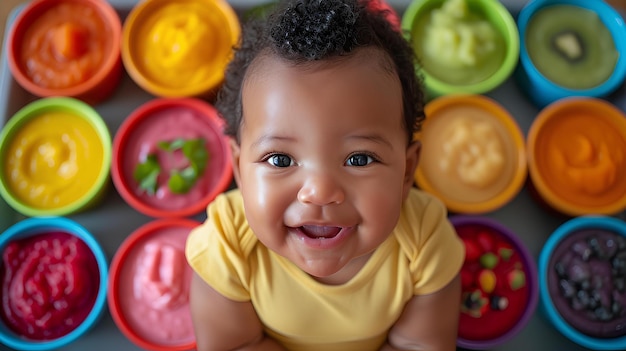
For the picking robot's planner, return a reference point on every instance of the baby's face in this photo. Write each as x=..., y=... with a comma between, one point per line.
x=322, y=160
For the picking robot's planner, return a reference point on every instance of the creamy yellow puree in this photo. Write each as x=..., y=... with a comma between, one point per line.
x=53, y=160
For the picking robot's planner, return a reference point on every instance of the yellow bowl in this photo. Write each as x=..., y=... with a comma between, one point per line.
x=179, y=48
x=473, y=154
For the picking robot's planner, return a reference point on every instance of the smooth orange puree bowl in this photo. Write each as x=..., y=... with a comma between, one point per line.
x=577, y=156
x=53, y=159
x=179, y=48
x=67, y=48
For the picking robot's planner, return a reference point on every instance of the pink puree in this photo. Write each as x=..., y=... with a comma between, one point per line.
x=153, y=288
x=49, y=284
x=167, y=125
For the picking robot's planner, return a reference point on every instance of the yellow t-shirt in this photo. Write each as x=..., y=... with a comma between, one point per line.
x=420, y=257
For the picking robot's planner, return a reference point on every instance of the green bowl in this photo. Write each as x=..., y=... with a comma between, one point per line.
x=55, y=164
x=501, y=20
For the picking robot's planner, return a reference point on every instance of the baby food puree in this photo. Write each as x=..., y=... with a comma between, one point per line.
x=49, y=285
x=179, y=48
x=457, y=45
x=53, y=160
x=472, y=153
x=571, y=46
x=577, y=156
x=149, y=297
x=68, y=48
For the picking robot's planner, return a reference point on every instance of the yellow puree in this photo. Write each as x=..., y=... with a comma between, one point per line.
x=53, y=160
x=182, y=44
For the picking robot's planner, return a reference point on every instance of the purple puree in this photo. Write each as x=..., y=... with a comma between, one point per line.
x=587, y=282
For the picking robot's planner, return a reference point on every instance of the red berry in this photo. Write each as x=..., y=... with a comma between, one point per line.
x=485, y=241
x=472, y=250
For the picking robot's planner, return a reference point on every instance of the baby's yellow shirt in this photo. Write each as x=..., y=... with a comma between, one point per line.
x=420, y=257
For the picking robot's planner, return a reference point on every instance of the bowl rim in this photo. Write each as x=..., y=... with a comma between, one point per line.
x=550, y=311
x=606, y=110
x=133, y=22
x=611, y=19
x=438, y=87
x=530, y=268
x=36, y=109
x=39, y=225
x=112, y=58
x=117, y=264
x=500, y=113
x=135, y=118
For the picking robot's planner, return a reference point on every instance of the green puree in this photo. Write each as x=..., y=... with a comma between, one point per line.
x=458, y=45
x=571, y=46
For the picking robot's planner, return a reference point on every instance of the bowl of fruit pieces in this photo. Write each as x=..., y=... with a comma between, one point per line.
x=499, y=283
x=582, y=274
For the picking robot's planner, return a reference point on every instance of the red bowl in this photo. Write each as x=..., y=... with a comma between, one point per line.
x=142, y=295
x=166, y=120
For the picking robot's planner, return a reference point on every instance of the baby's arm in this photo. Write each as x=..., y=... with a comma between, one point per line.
x=222, y=324
x=428, y=322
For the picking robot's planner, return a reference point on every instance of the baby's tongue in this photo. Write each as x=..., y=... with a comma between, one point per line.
x=316, y=231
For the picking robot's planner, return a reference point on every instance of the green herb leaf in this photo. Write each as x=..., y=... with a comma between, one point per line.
x=173, y=145
x=177, y=183
x=146, y=174
x=197, y=154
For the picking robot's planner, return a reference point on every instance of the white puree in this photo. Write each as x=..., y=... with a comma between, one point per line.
x=467, y=154
x=153, y=288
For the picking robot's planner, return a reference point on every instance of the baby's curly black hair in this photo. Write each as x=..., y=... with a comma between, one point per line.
x=304, y=31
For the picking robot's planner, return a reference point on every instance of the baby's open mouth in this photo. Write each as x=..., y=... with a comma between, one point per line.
x=320, y=232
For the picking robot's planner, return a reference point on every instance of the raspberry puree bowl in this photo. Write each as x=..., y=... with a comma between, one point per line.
x=148, y=294
x=499, y=283
x=582, y=273
x=57, y=258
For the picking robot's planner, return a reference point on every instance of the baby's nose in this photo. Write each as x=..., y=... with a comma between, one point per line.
x=321, y=189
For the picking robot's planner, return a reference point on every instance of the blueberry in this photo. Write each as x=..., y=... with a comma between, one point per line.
x=619, y=283
x=603, y=314
x=559, y=267
x=567, y=289
x=583, y=297
x=582, y=249
x=578, y=271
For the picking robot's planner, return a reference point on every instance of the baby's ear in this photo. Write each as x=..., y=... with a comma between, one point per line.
x=412, y=159
x=235, y=153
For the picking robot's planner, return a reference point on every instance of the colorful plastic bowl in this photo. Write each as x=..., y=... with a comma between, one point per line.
x=66, y=48
x=55, y=157
x=149, y=289
x=179, y=48
x=543, y=91
x=570, y=245
x=442, y=78
x=44, y=274
x=577, y=156
x=473, y=154
x=499, y=283
x=152, y=139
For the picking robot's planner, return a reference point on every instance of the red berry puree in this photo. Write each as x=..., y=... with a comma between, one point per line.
x=49, y=284
x=495, y=292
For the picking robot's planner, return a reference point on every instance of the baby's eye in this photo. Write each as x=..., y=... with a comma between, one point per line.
x=280, y=160
x=359, y=160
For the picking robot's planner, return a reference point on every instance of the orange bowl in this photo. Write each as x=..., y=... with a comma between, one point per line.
x=66, y=48
x=577, y=156
x=473, y=154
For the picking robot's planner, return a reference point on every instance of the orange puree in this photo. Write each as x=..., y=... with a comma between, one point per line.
x=582, y=158
x=53, y=160
x=181, y=43
x=65, y=46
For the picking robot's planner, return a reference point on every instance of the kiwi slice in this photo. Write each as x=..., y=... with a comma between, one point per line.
x=569, y=45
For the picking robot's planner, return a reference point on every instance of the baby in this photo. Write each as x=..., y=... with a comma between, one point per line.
x=326, y=244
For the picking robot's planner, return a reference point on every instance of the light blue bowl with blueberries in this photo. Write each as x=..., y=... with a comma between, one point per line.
x=582, y=279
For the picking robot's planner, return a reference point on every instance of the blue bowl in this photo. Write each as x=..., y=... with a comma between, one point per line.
x=38, y=225
x=547, y=306
x=540, y=89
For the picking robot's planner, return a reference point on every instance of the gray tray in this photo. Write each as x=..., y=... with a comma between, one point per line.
x=113, y=220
